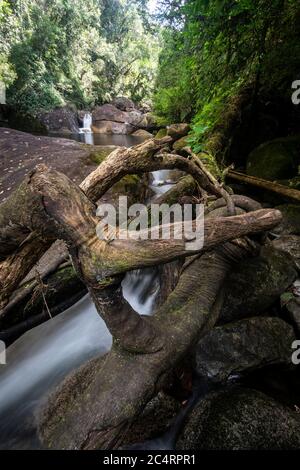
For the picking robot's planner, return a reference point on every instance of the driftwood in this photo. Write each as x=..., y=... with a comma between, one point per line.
x=110, y=392
x=142, y=158
x=94, y=408
x=277, y=188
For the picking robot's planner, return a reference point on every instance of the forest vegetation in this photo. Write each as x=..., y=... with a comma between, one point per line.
x=150, y=341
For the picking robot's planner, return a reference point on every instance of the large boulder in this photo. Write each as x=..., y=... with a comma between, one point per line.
x=21, y=152
x=255, y=284
x=108, y=119
x=275, y=160
x=109, y=112
x=240, y=419
x=242, y=346
x=124, y=104
x=153, y=421
x=60, y=120
x=112, y=127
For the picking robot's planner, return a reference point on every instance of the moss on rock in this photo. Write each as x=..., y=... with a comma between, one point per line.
x=180, y=144
x=277, y=159
x=240, y=419
x=161, y=133
x=100, y=152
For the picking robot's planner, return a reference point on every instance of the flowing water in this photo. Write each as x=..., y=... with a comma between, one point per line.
x=43, y=356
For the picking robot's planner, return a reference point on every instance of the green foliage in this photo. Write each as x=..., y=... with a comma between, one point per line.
x=59, y=52
x=214, y=48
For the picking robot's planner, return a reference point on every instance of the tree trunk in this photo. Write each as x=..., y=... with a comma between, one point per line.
x=277, y=188
x=135, y=160
x=96, y=405
x=48, y=206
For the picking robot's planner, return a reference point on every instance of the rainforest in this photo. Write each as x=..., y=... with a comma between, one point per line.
x=176, y=122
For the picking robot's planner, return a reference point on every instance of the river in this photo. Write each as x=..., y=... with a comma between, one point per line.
x=43, y=356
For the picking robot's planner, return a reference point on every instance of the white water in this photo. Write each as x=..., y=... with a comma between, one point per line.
x=87, y=123
x=140, y=289
x=43, y=356
x=87, y=129
x=161, y=182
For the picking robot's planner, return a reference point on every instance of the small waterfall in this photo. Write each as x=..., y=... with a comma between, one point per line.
x=87, y=129
x=87, y=123
x=140, y=289
x=161, y=182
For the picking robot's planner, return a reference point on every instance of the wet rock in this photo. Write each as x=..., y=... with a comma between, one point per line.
x=277, y=159
x=80, y=116
x=176, y=131
x=61, y=120
x=240, y=419
x=256, y=283
x=243, y=346
x=291, y=245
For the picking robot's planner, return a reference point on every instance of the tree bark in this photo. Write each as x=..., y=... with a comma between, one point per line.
x=95, y=406
x=48, y=206
x=55, y=208
x=277, y=188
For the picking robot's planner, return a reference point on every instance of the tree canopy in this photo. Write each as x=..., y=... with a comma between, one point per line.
x=58, y=52
x=214, y=48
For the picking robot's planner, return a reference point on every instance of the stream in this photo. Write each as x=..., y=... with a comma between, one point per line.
x=44, y=355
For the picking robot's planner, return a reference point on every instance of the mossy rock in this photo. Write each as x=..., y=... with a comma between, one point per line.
x=180, y=144
x=211, y=164
x=240, y=419
x=100, y=152
x=256, y=283
x=277, y=159
x=161, y=133
x=242, y=346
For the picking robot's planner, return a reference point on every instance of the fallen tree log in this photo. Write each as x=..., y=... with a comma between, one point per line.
x=95, y=406
x=27, y=248
x=277, y=188
x=48, y=206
